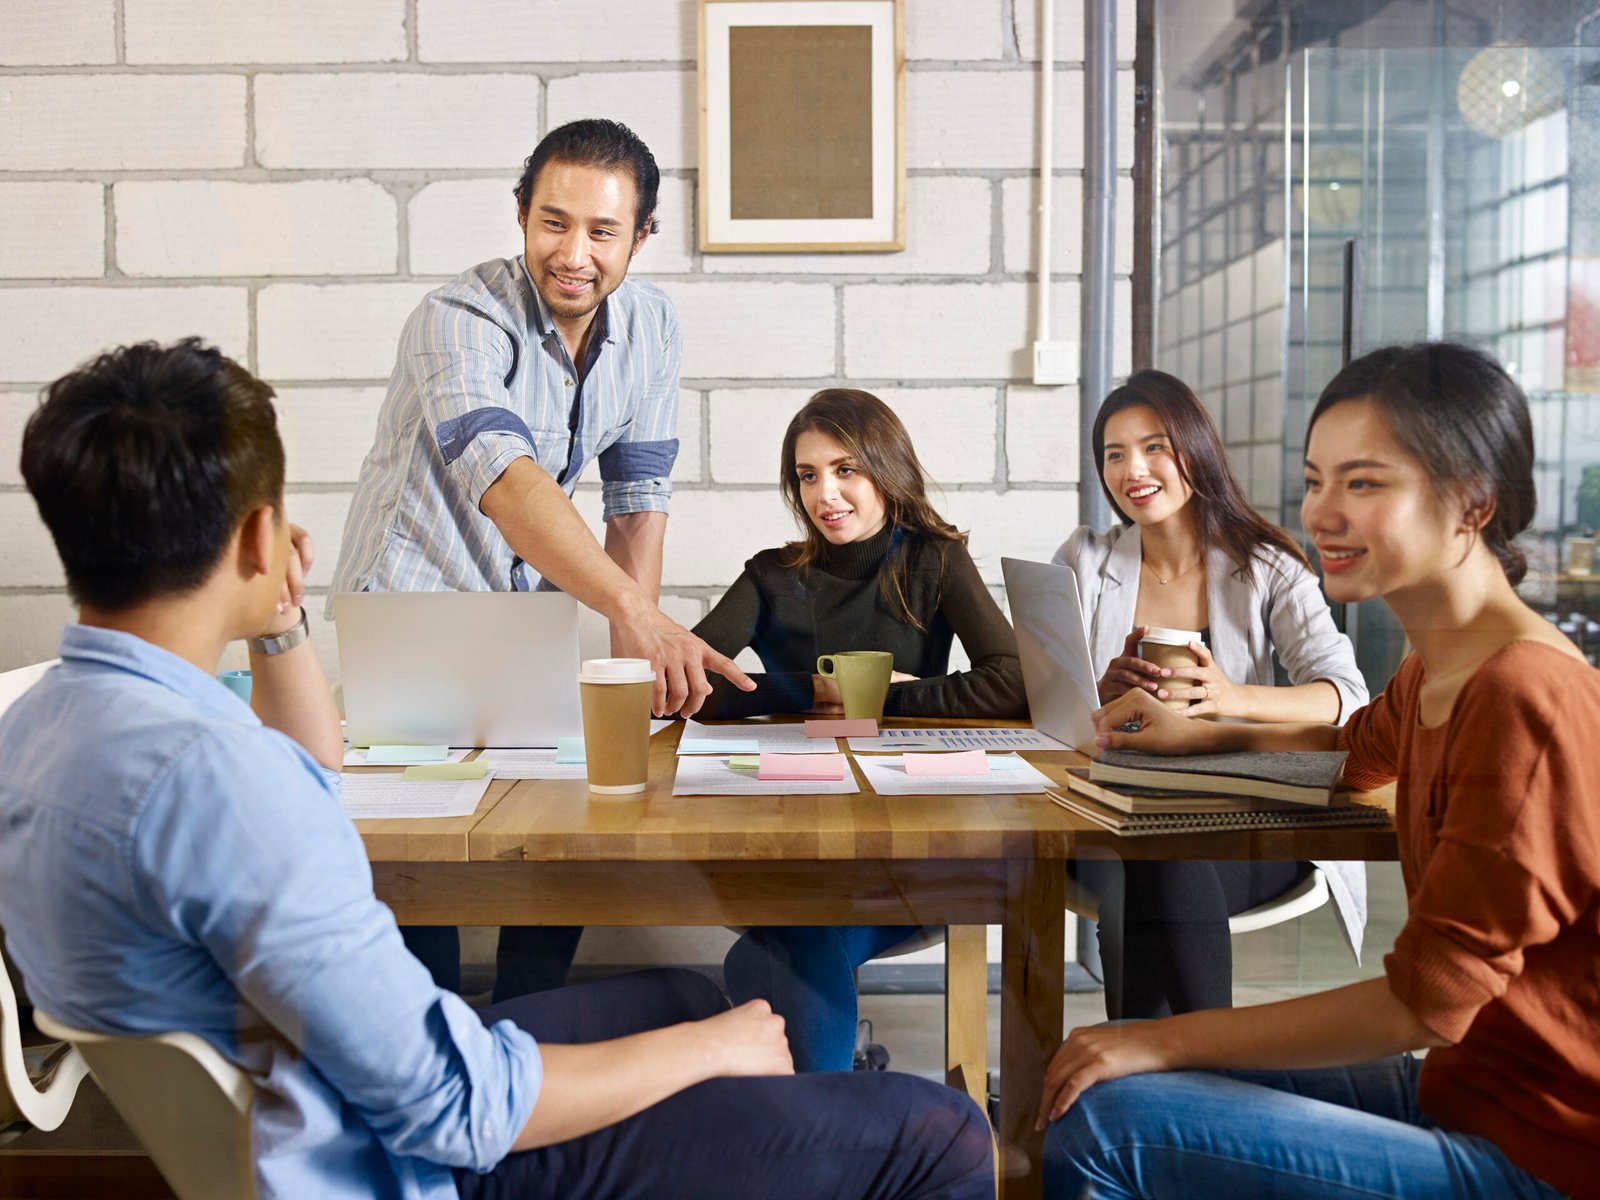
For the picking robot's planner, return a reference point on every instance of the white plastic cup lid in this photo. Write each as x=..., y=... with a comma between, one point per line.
x=1172, y=637
x=616, y=670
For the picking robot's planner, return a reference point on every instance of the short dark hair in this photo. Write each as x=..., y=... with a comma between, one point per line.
x=1457, y=412
x=143, y=464
x=597, y=142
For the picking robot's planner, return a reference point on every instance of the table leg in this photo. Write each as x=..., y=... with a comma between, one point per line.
x=1032, y=957
x=966, y=1018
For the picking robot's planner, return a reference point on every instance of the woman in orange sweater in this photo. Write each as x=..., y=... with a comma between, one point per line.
x=1419, y=473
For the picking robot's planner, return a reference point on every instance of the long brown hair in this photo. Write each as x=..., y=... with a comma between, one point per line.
x=1223, y=516
x=872, y=435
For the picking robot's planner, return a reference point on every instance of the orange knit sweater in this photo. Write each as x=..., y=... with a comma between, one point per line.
x=1498, y=814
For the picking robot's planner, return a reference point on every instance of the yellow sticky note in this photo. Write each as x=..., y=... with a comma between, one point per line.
x=744, y=762
x=448, y=770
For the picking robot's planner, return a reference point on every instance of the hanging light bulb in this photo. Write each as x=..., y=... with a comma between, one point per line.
x=1506, y=86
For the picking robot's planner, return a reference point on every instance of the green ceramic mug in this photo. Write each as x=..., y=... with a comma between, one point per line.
x=863, y=679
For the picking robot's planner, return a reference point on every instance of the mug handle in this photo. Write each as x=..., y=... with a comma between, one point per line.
x=825, y=666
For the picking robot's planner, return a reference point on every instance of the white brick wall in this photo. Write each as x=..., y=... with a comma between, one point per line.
x=121, y=122
x=62, y=33
x=379, y=121
x=65, y=226
x=49, y=330
x=560, y=31
x=285, y=31
x=657, y=105
x=332, y=331
x=212, y=227
x=755, y=330
x=326, y=431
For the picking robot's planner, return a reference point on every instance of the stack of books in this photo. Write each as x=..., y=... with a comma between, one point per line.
x=1134, y=793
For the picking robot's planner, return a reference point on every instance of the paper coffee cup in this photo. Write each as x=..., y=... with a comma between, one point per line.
x=1170, y=648
x=616, y=695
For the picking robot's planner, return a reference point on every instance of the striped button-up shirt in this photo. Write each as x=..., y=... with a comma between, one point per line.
x=482, y=379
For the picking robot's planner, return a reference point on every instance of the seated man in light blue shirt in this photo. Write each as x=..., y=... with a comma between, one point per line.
x=173, y=859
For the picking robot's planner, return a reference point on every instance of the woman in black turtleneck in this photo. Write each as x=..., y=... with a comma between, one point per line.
x=878, y=569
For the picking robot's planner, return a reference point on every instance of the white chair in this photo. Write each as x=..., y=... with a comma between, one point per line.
x=187, y=1105
x=40, y=1097
x=14, y=683
x=1310, y=894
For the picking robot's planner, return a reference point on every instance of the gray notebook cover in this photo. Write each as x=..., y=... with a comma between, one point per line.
x=1297, y=768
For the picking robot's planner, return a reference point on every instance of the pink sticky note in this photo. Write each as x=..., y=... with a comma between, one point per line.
x=801, y=767
x=964, y=762
x=866, y=727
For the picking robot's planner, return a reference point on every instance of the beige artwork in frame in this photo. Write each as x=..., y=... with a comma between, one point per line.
x=802, y=125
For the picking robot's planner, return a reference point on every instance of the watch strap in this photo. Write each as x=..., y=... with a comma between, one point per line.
x=283, y=642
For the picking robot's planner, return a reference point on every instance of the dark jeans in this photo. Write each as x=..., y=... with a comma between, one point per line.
x=530, y=958
x=868, y=1135
x=1164, y=928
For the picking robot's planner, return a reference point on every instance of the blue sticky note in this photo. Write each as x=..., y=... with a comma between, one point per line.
x=1006, y=762
x=570, y=750
x=725, y=746
x=397, y=756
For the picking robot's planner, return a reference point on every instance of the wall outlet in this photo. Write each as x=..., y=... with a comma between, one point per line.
x=1055, y=363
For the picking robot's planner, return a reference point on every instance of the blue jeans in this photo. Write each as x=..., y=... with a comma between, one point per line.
x=877, y=1137
x=807, y=974
x=1343, y=1131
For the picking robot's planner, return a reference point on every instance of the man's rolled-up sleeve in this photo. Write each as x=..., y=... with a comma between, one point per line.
x=636, y=469
x=461, y=358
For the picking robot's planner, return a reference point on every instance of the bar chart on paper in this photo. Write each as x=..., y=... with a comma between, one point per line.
x=893, y=741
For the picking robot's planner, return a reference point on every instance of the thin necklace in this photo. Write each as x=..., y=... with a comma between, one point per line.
x=1170, y=578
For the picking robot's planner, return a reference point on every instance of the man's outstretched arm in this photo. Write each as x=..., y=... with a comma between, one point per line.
x=540, y=524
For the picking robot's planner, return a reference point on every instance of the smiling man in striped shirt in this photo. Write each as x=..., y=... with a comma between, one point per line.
x=509, y=381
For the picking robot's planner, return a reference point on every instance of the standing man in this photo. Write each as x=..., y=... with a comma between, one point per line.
x=510, y=379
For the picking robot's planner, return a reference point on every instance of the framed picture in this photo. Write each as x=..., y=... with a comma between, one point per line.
x=802, y=125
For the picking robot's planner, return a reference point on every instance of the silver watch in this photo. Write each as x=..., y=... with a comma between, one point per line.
x=284, y=642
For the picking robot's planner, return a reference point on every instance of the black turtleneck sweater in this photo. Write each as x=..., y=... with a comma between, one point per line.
x=791, y=616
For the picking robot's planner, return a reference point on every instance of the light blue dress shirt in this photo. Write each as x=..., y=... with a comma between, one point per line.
x=169, y=863
x=482, y=378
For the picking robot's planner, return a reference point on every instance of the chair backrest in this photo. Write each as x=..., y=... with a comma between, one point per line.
x=14, y=683
x=20, y=1096
x=188, y=1106
x=1309, y=894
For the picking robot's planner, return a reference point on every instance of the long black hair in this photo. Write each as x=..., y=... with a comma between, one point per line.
x=1223, y=517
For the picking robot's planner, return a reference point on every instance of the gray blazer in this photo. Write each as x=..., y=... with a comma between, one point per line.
x=1278, y=608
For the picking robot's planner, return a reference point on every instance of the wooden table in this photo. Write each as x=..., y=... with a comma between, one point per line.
x=546, y=852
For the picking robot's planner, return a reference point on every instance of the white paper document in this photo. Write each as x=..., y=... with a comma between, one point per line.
x=895, y=740
x=751, y=737
x=356, y=756
x=886, y=774
x=657, y=726
x=368, y=796
x=530, y=764
x=709, y=775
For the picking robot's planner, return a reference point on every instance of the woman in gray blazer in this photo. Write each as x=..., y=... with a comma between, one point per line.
x=1191, y=553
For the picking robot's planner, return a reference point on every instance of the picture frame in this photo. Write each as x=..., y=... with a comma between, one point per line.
x=802, y=126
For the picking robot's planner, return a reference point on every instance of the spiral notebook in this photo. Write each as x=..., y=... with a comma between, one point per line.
x=1249, y=815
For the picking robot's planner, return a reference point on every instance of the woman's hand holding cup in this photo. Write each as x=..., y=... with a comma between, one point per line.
x=1128, y=671
x=1208, y=691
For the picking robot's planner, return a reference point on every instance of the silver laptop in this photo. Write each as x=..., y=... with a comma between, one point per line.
x=458, y=668
x=1053, y=640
